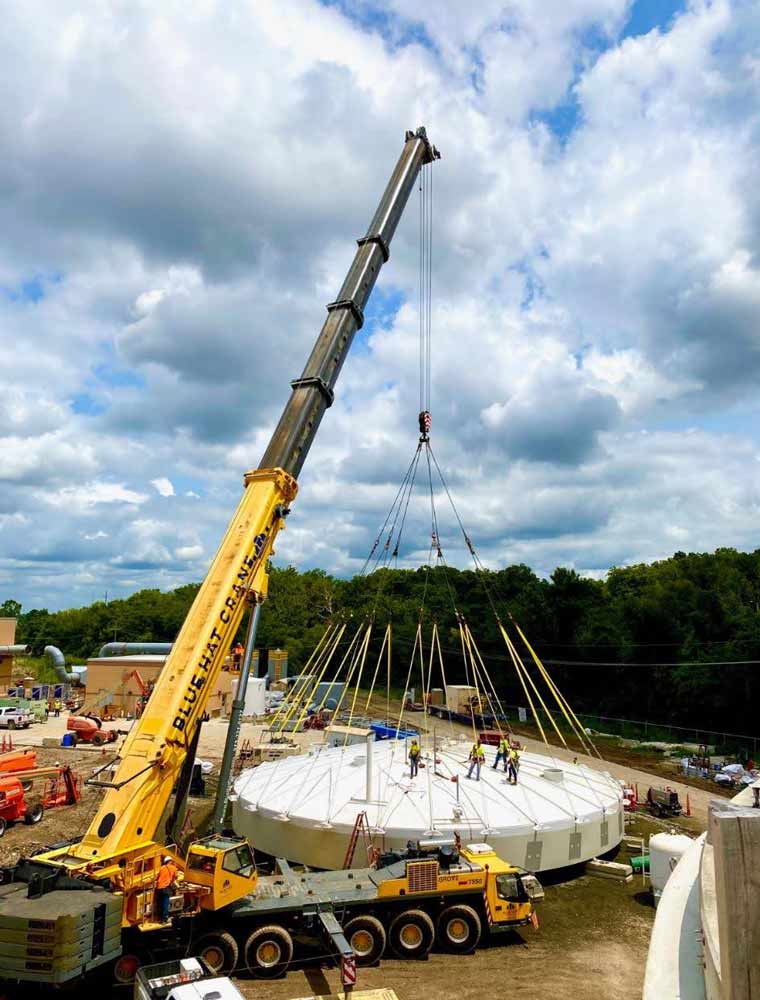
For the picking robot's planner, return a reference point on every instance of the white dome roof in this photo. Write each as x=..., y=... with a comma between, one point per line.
x=304, y=807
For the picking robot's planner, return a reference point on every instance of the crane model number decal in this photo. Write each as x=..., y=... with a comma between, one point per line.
x=238, y=591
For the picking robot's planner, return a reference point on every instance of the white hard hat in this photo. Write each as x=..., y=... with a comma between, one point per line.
x=167, y=858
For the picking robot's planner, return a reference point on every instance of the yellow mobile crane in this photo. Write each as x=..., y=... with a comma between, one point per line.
x=79, y=905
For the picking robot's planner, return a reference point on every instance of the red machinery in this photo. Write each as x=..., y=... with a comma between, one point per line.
x=13, y=804
x=18, y=760
x=88, y=729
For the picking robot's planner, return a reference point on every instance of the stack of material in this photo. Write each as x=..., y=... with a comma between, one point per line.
x=459, y=698
x=609, y=869
x=79, y=930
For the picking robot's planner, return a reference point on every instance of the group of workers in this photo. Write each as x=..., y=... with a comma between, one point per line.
x=505, y=752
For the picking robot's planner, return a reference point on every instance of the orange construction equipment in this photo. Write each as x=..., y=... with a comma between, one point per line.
x=62, y=785
x=88, y=729
x=18, y=760
x=14, y=806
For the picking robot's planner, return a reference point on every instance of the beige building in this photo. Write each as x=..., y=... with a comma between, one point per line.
x=7, y=638
x=114, y=685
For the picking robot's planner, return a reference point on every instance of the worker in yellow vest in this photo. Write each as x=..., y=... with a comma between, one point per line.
x=477, y=759
x=513, y=765
x=501, y=754
x=414, y=758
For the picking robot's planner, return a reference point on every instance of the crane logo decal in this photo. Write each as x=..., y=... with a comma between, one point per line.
x=217, y=635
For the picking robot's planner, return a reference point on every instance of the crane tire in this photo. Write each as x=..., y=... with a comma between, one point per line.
x=411, y=934
x=35, y=810
x=459, y=929
x=367, y=937
x=98, y=738
x=268, y=951
x=219, y=950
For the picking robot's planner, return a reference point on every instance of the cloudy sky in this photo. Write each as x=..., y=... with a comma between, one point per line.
x=180, y=188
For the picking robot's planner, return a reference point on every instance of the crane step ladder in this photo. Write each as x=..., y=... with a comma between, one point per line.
x=361, y=829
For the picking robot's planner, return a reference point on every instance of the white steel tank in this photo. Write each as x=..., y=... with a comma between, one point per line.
x=665, y=851
x=304, y=807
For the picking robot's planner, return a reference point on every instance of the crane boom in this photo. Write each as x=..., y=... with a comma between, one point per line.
x=127, y=822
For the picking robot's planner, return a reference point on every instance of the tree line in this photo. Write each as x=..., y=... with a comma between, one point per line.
x=655, y=630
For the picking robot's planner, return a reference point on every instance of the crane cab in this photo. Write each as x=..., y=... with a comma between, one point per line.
x=224, y=866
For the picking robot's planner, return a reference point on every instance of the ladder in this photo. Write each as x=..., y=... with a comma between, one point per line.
x=361, y=829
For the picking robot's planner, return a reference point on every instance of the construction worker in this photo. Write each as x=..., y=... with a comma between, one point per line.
x=513, y=765
x=57, y=707
x=501, y=754
x=414, y=758
x=237, y=655
x=477, y=759
x=167, y=874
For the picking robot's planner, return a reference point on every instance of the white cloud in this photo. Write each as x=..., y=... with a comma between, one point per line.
x=176, y=213
x=163, y=486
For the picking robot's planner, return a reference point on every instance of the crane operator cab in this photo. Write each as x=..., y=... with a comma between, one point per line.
x=224, y=866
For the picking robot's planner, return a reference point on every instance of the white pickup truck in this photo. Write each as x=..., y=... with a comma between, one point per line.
x=15, y=718
x=185, y=979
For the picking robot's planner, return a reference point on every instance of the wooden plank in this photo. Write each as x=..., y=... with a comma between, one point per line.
x=735, y=835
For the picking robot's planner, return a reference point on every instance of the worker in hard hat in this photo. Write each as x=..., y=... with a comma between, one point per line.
x=477, y=759
x=513, y=765
x=502, y=753
x=167, y=875
x=414, y=758
x=238, y=651
x=57, y=707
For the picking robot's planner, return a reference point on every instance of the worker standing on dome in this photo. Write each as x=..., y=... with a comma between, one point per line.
x=414, y=758
x=513, y=765
x=477, y=759
x=502, y=753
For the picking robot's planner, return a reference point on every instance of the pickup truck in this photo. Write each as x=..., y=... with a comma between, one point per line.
x=15, y=718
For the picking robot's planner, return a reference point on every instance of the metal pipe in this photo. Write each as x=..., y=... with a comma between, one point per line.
x=370, y=754
x=122, y=648
x=236, y=718
x=58, y=663
x=16, y=650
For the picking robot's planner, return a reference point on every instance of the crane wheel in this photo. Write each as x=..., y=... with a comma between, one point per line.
x=268, y=951
x=125, y=969
x=219, y=950
x=367, y=937
x=98, y=738
x=412, y=934
x=34, y=812
x=459, y=929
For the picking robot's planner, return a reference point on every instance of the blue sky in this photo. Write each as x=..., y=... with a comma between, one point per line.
x=175, y=215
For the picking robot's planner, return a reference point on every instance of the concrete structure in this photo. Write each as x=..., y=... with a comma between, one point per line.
x=706, y=938
x=112, y=689
x=305, y=807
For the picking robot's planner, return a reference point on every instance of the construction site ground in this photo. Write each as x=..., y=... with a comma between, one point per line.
x=594, y=933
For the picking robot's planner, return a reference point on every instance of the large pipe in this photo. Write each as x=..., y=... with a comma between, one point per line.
x=123, y=648
x=16, y=650
x=55, y=656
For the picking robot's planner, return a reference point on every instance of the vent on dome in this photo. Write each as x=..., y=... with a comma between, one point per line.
x=553, y=774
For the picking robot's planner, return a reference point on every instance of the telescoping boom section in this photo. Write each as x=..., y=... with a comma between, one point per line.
x=123, y=847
